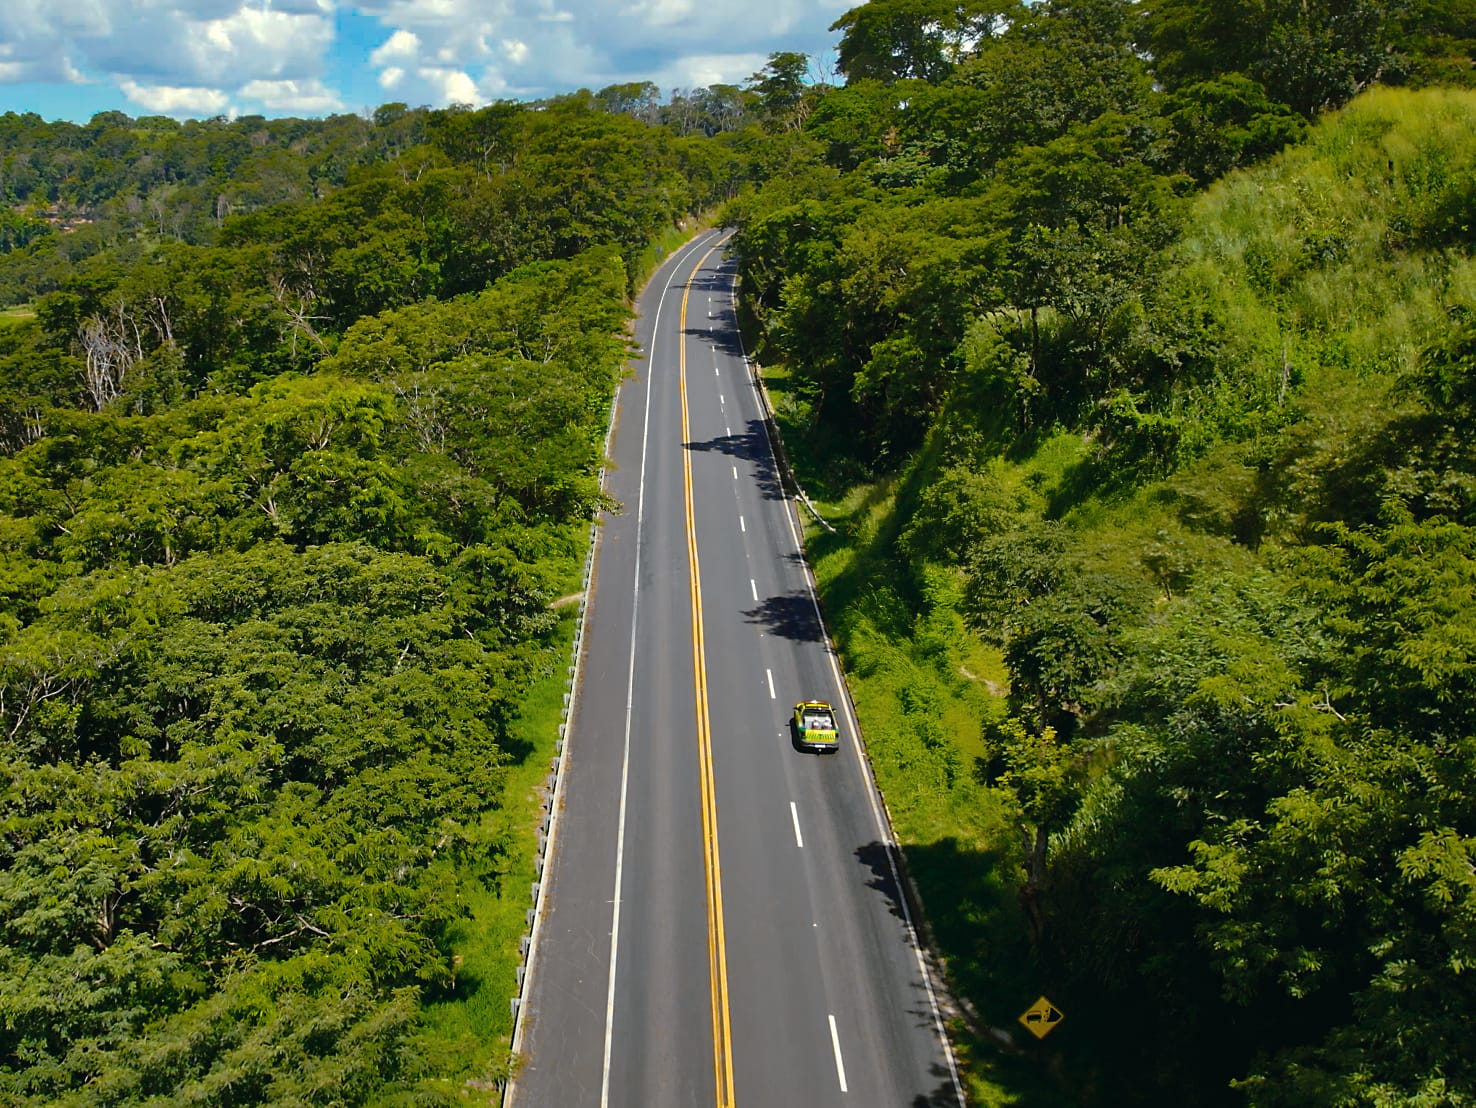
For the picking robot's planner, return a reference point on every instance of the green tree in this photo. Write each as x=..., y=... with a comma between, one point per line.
x=784, y=95
x=1309, y=56
x=1043, y=776
x=1226, y=122
x=897, y=40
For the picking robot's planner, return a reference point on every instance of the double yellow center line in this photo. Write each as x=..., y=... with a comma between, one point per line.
x=717, y=954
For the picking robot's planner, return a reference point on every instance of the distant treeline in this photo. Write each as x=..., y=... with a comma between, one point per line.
x=504, y=185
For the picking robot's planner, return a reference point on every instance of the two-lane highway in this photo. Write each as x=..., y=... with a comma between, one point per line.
x=722, y=923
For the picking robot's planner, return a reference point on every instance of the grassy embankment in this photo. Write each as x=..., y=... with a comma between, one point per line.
x=1326, y=271
x=470, y=1035
x=659, y=249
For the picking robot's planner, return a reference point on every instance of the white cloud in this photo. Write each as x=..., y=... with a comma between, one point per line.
x=391, y=77
x=170, y=55
x=454, y=86
x=32, y=47
x=300, y=97
x=199, y=43
x=301, y=7
x=401, y=44
x=176, y=98
x=700, y=70
x=659, y=13
x=592, y=43
x=446, y=13
x=267, y=42
x=21, y=20
x=493, y=84
x=58, y=69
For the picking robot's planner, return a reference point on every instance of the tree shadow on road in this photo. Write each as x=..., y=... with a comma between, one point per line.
x=751, y=446
x=720, y=328
x=790, y=616
x=875, y=857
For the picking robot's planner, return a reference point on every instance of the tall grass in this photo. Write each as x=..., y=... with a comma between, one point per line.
x=1339, y=257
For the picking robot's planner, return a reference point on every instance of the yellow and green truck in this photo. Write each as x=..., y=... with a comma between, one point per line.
x=814, y=726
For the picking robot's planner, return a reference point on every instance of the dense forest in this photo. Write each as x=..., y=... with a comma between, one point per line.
x=1129, y=350
x=300, y=431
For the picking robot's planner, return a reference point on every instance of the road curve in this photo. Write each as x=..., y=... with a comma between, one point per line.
x=721, y=923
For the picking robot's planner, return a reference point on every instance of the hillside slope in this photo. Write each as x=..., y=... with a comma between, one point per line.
x=1170, y=700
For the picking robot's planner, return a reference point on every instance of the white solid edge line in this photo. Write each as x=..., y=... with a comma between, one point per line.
x=799, y=839
x=510, y=1093
x=868, y=780
x=840, y=1066
x=629, y=708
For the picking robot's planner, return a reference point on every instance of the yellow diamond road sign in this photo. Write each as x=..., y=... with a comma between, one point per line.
x=1040, y=1018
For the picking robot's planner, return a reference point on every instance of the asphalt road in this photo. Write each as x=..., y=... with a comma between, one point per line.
x=721, y=923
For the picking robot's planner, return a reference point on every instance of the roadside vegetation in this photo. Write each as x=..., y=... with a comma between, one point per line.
x=1132, y=377
x=300, y=427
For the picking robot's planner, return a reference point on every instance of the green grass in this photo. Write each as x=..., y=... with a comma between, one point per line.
x=470, y=1035
x=1341, y=254
x=661, y=248
x=16, y=315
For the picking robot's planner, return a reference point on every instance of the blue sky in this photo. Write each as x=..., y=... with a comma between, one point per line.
x=69, y=59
